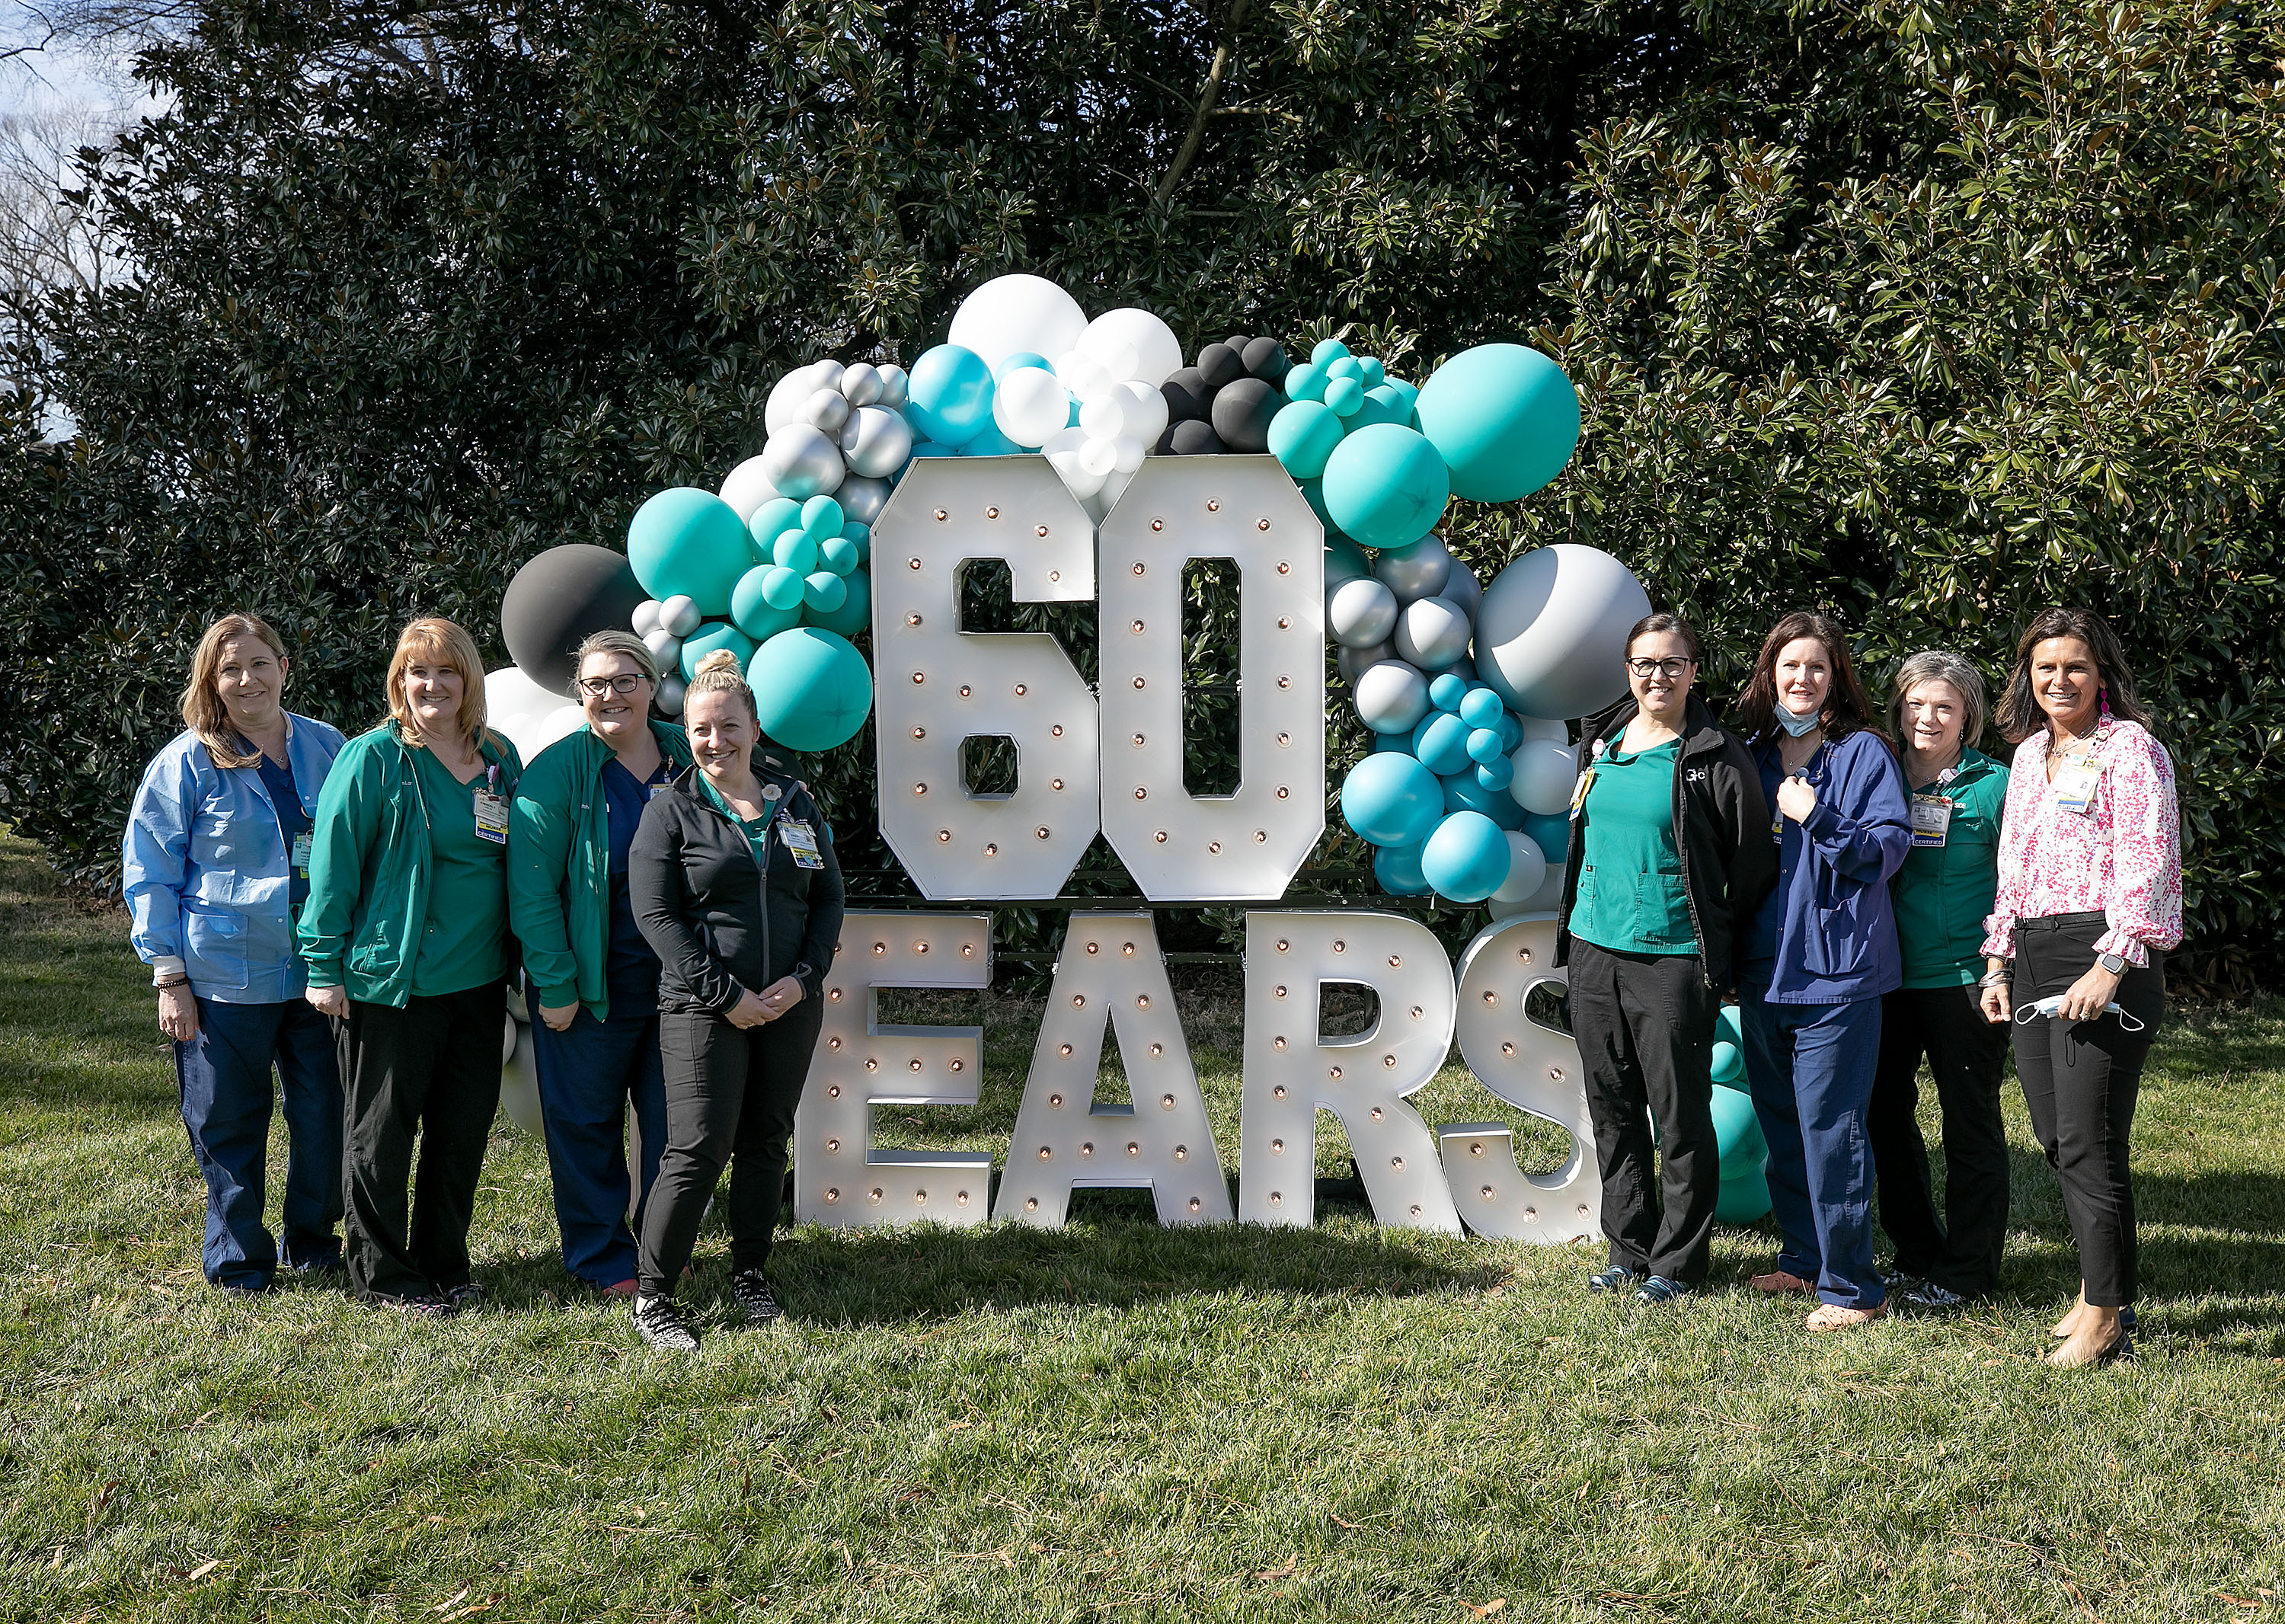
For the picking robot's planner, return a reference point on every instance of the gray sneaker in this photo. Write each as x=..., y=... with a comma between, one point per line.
x=1926, y=1297
x=658, y=1323
x=754, y=1295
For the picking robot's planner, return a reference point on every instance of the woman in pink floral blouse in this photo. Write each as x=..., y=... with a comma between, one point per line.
x=2090, y=899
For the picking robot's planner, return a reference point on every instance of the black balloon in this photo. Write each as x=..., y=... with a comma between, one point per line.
x=1219, y=364
x=1265, y=358
x=1242, y=413
x=1193, y=439
x=556, y=599
x=1188, y=395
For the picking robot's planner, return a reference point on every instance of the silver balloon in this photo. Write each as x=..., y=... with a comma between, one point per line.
x=671, y=691
x=790, y=393
x=802, y=462
x=1354, y=663
x=827, y=410
x=664, y=646
x=893, y=381
x=1391, y=697
x=646, y=618
x=860, y=385
x=1412, y=572
x=1432, y=633
x=1462, y=587
x=1360, y=614
x=862, y=497
x=679, y=616
x=877, y=442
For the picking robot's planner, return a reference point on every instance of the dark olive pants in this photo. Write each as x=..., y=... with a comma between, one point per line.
x=1967, y=1056
x=730, y=1099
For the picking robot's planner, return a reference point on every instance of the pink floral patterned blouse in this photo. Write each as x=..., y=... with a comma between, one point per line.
x=2122, y=859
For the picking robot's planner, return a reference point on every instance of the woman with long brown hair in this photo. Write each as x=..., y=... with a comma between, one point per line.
x=214, y=863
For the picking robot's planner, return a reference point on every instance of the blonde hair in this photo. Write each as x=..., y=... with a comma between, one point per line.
x=448, y=643
x=721, y=672
x=203, y=711
x=1941, y=666
x=615, y=642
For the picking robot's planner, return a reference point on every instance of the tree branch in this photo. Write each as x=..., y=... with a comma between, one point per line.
x=1187, y=154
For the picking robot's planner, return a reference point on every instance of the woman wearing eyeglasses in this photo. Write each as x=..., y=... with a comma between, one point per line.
x=2090, y=900
x=1669, y=856
x=592, y=979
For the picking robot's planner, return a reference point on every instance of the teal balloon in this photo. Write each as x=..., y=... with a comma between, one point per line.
x=755, y=614
x=1302, y=435
x=1734, y=1025
x=1498, y=773
x=1381, y=405
x=854, y=617
x=772, y=520
x=781, y=587
x=709, y=637
x=1505, y=418
x=1313, y=491
x=948, y=397
x=930, y=448
x=1370, y=373
x=860, y=536
x=1391, y=800
x=795, y=551
x=691, y=541
x=1440, y=741
x=823, y=592
x=1728, y=1061
x=1016, y=358
x=1449, y=693
x=1305, y=381
x=838, y=554
x=1344, y=557
x=1742, y=1200
x=1744, y=1153
x=1398, y=870
x=812, y=689
x=1386, y=486
x=1328, y=350
x=1478, y=707
x=1464, y=791
x=1344, y=395
x=1485, y=746
x=1466, y=859
x=821, y=517
x=1410, y=393
x=991, y=442
x=1347, y=366
x=1551, y=832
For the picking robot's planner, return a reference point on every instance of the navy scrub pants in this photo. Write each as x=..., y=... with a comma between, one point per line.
x=589, y=1074
x=223, y=1076
x=1811, y=1068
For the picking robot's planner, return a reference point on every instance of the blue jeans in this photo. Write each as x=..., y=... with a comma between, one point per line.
x=587, y=1073
x=223, y=1077
x=1811, y=1068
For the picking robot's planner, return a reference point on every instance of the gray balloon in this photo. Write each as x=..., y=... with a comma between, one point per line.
x=892, y=387
x=1462, y=587
x=1432, y=633
x=802, y=463
x=1414, y=572
x=876, y=441
x=1354, y=663
x=860, y=385
x=788, y=395
x=827, y=410
x=1360, y=613
x=862, y=499
x=1391, y=697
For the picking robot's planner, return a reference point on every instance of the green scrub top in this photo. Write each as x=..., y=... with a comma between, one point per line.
x=1943, y=893
x=1629, y=896
x=757, y=829
x=464, y=940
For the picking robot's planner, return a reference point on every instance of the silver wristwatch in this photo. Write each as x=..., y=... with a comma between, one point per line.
x=2113, y=962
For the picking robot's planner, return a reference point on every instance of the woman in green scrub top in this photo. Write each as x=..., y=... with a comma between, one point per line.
x=1942, y=895
x=1669, y=858
x=406, y=937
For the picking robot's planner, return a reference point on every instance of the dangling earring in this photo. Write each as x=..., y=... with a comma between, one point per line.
x=2103, y=698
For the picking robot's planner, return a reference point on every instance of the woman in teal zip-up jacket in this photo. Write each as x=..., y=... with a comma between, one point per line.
x=406, y=939
x=590, y=978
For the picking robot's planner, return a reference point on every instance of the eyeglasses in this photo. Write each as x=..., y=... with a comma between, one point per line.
x=1668, y=669
x=600, y=685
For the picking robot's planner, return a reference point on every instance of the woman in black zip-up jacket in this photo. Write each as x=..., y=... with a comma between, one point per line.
x=734, y=884
x=1669, y=856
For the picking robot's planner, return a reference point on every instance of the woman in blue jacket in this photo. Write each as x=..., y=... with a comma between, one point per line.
x=1821, y=954
x=215, y=864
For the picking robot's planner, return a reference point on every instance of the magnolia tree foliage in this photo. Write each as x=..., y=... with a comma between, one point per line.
x=1928, y=314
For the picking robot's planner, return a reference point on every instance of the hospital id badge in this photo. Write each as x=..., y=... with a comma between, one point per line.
x=301, y=859
x=802, y=842
x=1579, y=791
x=492, y=818
x=1931, y=819
x=2075, y=785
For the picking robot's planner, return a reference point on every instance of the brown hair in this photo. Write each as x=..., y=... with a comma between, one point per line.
x=203, y=710
x=1664, y=620
x=614, y=642
x=1847, y=707
x=2019, y=715
x=720, y=672
x=446, y=643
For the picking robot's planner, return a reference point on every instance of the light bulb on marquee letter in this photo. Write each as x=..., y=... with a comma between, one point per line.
x=1186, y=848
x=1535, y=1068
x=1290, y=1072
x=938, y=685
x=838, y=1178
x=1110, y=971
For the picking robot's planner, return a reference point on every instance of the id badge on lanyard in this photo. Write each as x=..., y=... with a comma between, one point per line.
x=492, y=809
x=801, y=841
x=1931, y=819
x=2074, y=787
x=301, y=859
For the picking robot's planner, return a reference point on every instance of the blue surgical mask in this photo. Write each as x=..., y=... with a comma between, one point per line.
x=1795, y=726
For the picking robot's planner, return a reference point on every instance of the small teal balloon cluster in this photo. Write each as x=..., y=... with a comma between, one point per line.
x=1745, y=1195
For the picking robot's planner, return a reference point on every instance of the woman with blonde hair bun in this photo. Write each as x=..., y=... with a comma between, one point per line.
x=215, y=862
x=735, y=885
x=406, y=936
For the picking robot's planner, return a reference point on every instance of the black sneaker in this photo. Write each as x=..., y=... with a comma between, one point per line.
x=1618, y=1277
x=657, y=1323
x=1926, y=1297
x=1658, y=1288
x=754, y=1296
x=463, y=1297
x=420, y=1307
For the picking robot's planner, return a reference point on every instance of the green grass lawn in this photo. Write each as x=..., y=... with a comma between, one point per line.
x=1111, y=1420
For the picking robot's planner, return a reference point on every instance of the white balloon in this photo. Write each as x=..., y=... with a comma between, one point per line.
x=1083, y=375
x=520, y=1084
x=791, y=392
x=1416, y=572
x=1104, y=418
x=1130, y=453
x=1151, y=351
x=645, y=619
x=1114, y=486
x=664, y=646
x=874, y=444
x=1545, y=774
x=803, y=461
x=679, y=616
x=1391, y=697
x=1068, y=439
x=1549, y=897
x=746, y=487
x=508, y=1039
x=828, y=409
x=1146, y=411
x=1030, y=406
x=1360, y=614
x=1014, y=313
x=1526, y=869
x=860, y=385
x=514, y=703
x=1462, y=587
x=1073, y=472
x=1546, y=727
x=1552, y=635
x=1431, y=632
x=671, y=690
x=1098, y=457
x=1353, y=663
x=893, y=380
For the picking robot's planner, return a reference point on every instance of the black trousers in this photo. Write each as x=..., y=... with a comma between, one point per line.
x=2080, y=1079
x=432, y=1067
x=1967, y=1056
x=730, y=1099
x=1644, y=1026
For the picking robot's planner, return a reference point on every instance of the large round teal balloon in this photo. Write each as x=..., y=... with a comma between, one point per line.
x=1504, y=416
x=707, y=639
x=691, y=541
x=1398, y=870
x=1745, y=1193
x=949, y=396
x=1465, y=792
x=854, y=617
x=1386, y=486
x=750, y=606
x=1466, y=859
x=812, y=690
x=1552, y=832
x=1391, y=800
x=1302, y=435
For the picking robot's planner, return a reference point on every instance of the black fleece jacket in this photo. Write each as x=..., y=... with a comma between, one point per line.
x=1720, y=833
x=698, y=897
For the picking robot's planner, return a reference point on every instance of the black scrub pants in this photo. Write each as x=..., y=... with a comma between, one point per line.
x=1645, y=1027
x=2080, y=1079
x=1967, y=1056
x=730, y=1099
x=432, y=1067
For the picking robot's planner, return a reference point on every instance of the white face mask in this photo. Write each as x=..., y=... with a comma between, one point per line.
x=1796, y=725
